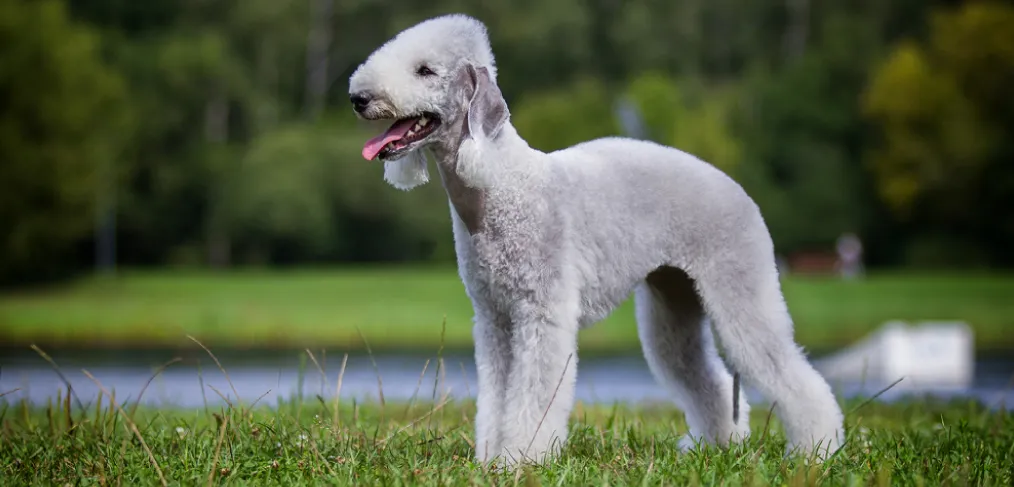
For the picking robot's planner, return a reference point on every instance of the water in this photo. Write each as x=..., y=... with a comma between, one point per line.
x=268, y=377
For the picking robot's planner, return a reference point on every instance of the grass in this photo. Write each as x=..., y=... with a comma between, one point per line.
x=404, y=308
x=324, y=442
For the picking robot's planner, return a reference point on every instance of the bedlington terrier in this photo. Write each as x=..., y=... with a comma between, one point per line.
x=550, y=243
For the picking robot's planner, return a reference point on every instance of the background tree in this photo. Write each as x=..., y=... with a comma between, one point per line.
x=945, y=114
x=238, y=146
x=63, y=110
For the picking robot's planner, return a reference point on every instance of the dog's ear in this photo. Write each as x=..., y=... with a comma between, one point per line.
x=487, y=110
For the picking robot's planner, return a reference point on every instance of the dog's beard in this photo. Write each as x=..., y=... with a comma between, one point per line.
x=407, y=172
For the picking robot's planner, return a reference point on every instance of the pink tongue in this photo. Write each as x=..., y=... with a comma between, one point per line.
x=396, y=132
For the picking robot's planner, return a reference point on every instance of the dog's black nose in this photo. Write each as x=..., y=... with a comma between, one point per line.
x=360, y=101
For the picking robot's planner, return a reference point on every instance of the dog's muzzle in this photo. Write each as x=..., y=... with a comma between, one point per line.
x=360, y=101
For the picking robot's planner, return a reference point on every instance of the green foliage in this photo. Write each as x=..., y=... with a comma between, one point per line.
x=934, y=137
x=802, y=134
x=944, y=113
x=341, y=442
x=301, y=187
x=557, y=119
x=60, y=140
x=180, y=94
x=700, y=125
x=280, y=189
x=697, y=121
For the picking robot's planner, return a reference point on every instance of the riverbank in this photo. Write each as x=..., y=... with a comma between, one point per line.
x=398, y=309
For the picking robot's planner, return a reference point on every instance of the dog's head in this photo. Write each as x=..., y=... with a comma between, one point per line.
x=437, y=82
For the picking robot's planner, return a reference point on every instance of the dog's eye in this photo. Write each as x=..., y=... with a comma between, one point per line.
x=424, y=71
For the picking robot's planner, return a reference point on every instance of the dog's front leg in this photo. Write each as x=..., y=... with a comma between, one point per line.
x=540, y=388
x=492, y=363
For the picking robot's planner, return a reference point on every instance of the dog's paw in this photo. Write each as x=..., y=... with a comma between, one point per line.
x=512, y=457
x=507, y=462
x=687, y=443
x=814, y=453
x=483, y=452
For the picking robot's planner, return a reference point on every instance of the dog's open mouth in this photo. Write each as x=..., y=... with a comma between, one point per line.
x=401, y=136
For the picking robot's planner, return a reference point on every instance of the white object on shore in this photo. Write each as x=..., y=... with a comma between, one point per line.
x=931, y=355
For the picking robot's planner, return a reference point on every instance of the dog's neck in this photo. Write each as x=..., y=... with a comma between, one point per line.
x=469, y=202
x=468, y=177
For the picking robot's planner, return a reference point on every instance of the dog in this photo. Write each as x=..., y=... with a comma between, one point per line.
x=550, y=243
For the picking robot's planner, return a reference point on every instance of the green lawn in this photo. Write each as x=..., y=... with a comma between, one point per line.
x=321, y=442
x=404, y=308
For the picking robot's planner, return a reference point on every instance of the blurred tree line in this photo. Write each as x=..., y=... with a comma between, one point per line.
x=218, y=132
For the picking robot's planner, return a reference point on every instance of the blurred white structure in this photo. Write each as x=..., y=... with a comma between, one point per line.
x=932, y=355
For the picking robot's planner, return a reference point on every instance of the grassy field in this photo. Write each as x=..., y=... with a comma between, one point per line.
x=405, y=308
x=327, y=443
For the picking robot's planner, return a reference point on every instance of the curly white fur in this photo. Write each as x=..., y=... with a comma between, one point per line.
x=551, y=243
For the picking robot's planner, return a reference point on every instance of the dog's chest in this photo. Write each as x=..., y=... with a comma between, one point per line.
x=504, y=245
x=512, y=253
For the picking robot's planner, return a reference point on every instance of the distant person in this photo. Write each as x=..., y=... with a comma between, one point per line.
x=782, y=264
x=850, y=256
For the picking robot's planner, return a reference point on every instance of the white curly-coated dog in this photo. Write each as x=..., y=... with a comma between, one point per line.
x=549, y=243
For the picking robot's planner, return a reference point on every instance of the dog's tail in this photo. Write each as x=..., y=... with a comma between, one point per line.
x=735, y=397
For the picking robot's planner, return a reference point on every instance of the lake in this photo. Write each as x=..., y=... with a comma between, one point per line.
x=273, y=376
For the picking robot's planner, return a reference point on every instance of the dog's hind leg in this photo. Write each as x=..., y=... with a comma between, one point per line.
x=750, y=317
x=681, y=354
